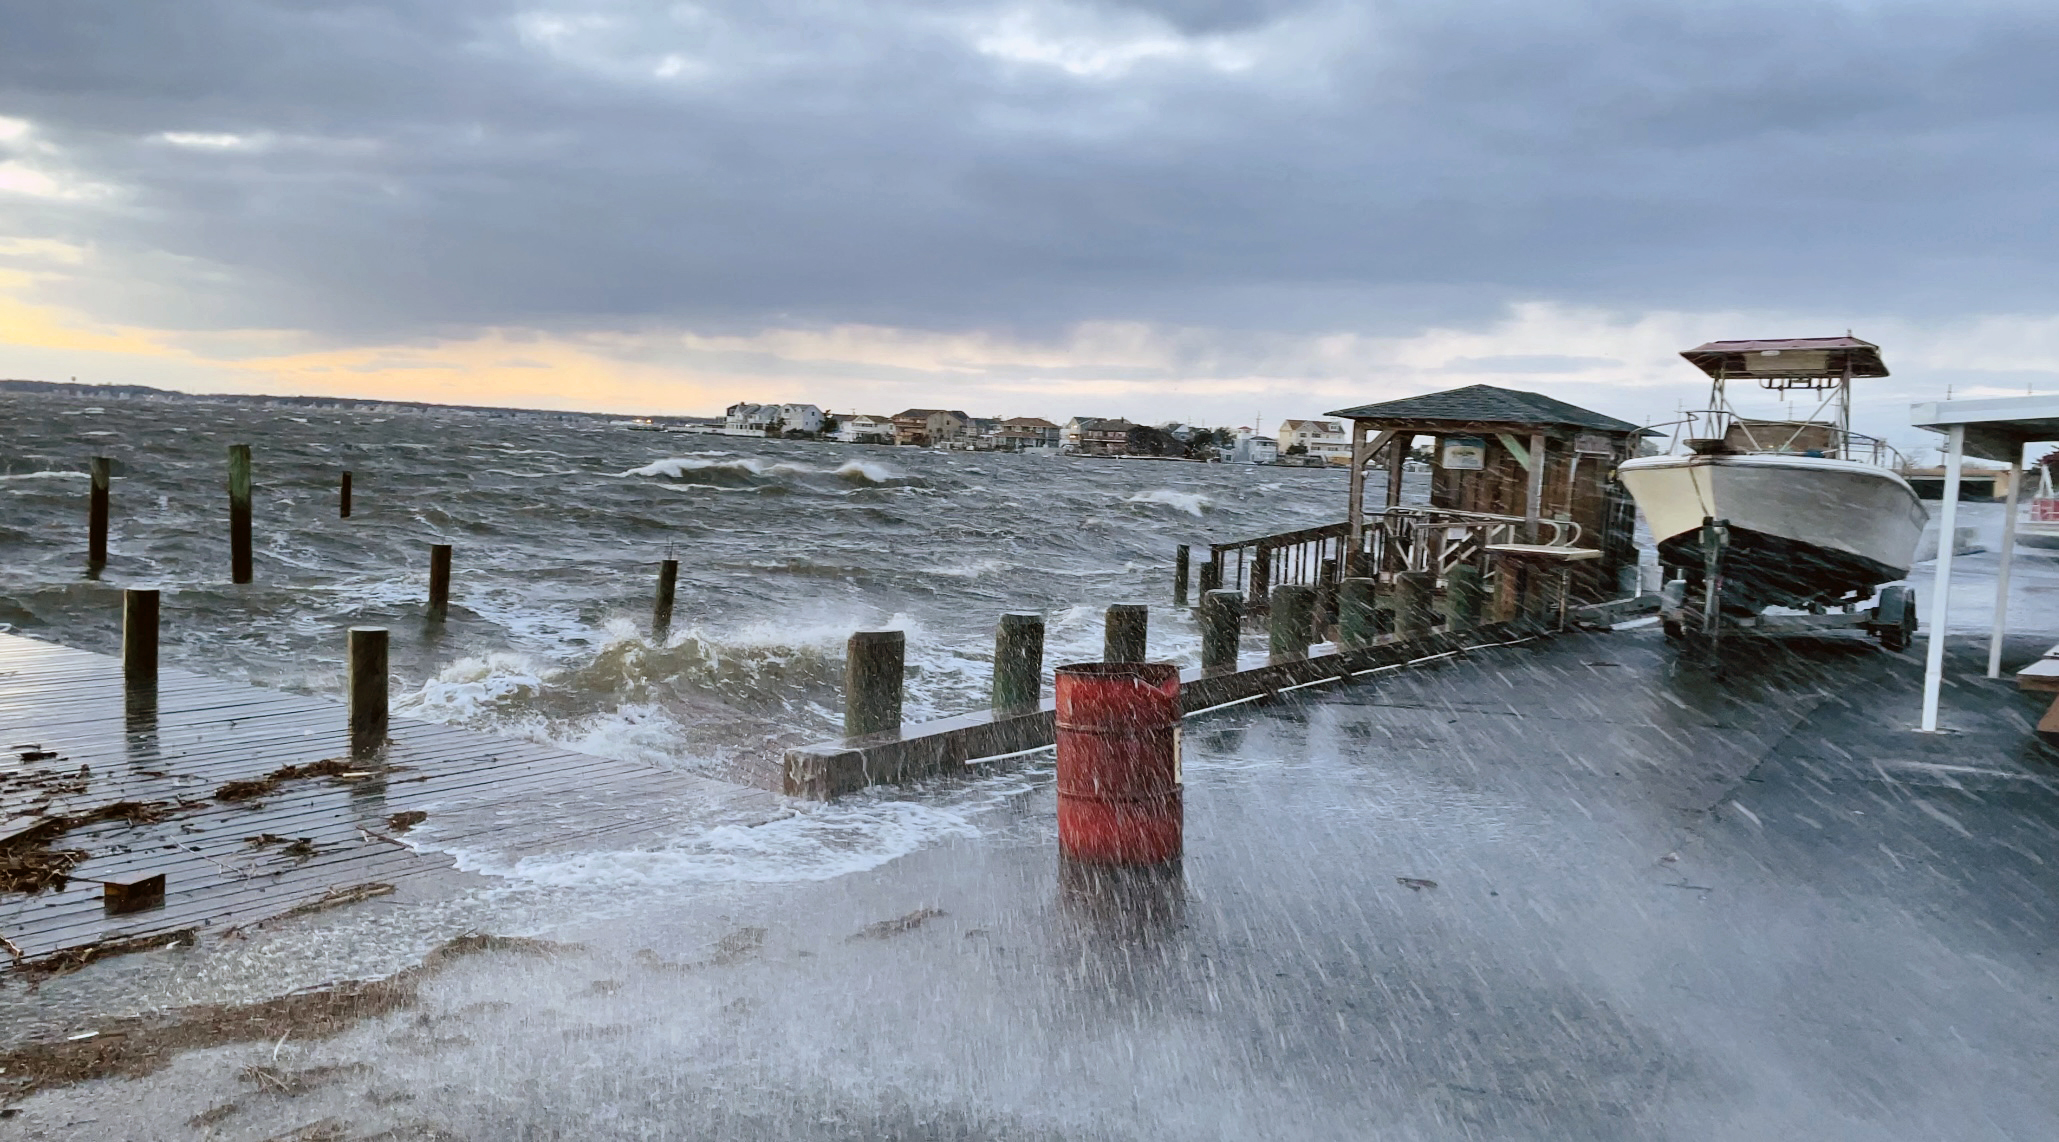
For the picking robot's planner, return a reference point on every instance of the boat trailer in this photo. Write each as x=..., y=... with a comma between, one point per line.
x=1686, y=617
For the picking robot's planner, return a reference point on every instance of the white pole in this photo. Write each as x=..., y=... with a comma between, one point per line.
x=1941, y=591
x=2002, y=575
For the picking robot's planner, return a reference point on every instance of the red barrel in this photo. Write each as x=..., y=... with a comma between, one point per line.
x=1119, y=762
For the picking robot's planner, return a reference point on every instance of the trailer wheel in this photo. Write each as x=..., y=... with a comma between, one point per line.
x=1894, y=620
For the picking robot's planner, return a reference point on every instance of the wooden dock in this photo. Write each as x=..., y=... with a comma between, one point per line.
x=250, y=804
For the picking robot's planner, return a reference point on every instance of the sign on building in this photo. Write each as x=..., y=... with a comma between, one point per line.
x=1463, y=453
x=1594, y=442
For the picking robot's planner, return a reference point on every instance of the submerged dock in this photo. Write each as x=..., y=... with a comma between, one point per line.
x=251, y=806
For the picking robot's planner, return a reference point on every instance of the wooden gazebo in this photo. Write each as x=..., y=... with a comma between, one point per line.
x=1514, y=454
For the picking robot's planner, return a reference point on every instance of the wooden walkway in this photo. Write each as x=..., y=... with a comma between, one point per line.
x=78, y=745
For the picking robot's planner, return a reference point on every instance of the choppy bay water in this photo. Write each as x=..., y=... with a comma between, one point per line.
x=558, y=525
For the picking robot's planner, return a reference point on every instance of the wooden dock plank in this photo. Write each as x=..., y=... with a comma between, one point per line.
x=198, y=733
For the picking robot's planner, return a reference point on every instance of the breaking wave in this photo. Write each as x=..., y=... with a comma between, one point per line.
x=1193, y=503
x=724, y=469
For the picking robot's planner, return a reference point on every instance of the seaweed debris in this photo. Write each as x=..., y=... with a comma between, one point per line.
x=29, y=865
x=270, y=782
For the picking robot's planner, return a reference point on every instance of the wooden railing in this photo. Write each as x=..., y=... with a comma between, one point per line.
x=1393, y=540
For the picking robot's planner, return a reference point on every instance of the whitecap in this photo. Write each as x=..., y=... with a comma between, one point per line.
x=1193, y=503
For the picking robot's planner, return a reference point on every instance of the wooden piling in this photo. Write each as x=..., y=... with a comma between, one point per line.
x=1465, y=596
x=366, y=654
x=661, y=612
x=1357, y=623
x=239, y=514
x=1125, y=628
x=1413, y=598
x=343, y=499
x=439, y=582
x=1293, y=618
x=1179, y=576
x=1211, y=575
x=96, y=518
x=1325, y=598
x=1018, y=662
x=874, y=663
x=1222, y=625
x=139, y=636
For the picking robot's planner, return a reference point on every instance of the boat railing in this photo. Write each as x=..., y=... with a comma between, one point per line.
x=1393, y=540
x=1784, y=437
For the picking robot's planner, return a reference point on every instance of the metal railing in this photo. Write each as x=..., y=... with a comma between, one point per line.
x=1394, y=540
x=1781, y=436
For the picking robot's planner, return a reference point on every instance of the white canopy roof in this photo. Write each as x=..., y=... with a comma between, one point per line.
x=1996, y=429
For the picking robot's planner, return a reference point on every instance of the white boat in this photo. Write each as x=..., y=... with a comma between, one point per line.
x=1791, y=513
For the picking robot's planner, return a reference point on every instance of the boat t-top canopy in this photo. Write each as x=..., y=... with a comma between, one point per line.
x=1996, y=429
x=1826, y=358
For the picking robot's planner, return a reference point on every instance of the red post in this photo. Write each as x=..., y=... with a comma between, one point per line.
x=1119, y=762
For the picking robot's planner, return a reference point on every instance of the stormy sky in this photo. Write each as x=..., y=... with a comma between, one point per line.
x=1193, y=208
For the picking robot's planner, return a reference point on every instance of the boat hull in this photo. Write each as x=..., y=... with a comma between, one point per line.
x=1803, y=529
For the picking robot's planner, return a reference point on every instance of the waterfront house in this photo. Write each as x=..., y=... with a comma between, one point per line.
x=861, y=428
x=1323, y=439
x=800, y=418
x=1020, y=432
x=1097, y=436
x=747, y=419
x=929, y=426
x=1251, y=448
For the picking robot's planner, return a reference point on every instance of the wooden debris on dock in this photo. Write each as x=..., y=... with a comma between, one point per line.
x=270, y=782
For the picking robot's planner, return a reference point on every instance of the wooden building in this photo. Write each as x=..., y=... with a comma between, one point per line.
x=1513, y=454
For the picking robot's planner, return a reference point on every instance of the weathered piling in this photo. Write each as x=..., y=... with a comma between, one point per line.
x=1119, y=763
x=343, y=498
x=1179, y=576
x=874, y=663
x=1357, y=623
x=1125, y=628
x=1222, y=623
x=366, y=654
x=439, y=582
x=1414, y=598
x=139, y=636
x=661, y=611
x=96, y=515
x=1018, y=662
x=239, y=513
x=1211, y=576
x=1465, y=595
x=1325, y=597
x=1292, y=621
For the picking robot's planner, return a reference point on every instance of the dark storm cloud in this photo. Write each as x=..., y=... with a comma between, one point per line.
x=406, y=167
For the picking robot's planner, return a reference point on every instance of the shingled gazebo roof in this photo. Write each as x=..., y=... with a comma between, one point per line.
x=1485, y=404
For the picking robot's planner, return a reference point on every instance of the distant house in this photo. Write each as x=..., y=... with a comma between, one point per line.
x=1325, y=439
x=800, y=418
x=859, y=428
x=747, y=419
x=1020, y=432
x=983, y=433
x=1252, y=448
x=1097, y=436
x=929, y=426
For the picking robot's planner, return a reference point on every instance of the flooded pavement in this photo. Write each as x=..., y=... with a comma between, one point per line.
x=1570, y=889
